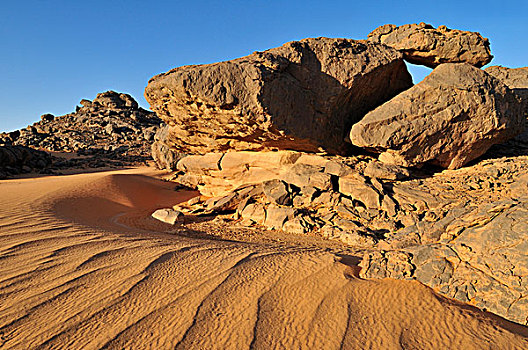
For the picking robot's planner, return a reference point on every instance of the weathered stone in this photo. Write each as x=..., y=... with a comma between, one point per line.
x=168, y=215
x=200, y=164
x=384, y=264
x=254, y=212
x=514, y=78
x=15, y=160
x=452, y=117
x=276, y=191
x=337, y=168
x=423, y=44
x=356, y=186
x=113, y=100
x=386, y=171
x=163, y=155
x=303, y=96
x=277, y=216
x=266, y=160
x=303, y=175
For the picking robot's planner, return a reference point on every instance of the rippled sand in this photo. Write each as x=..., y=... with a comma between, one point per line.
x=83, y=266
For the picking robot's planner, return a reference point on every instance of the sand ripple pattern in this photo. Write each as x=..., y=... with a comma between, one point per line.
x=72, y=279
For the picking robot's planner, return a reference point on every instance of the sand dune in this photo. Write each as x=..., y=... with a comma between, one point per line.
x=83, y=266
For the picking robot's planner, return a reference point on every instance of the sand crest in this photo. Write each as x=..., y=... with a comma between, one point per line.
x=83, y=266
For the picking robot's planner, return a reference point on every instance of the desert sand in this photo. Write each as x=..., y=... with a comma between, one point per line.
x=84, y=266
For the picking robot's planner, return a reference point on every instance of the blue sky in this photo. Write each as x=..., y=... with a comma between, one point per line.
x=54, y=53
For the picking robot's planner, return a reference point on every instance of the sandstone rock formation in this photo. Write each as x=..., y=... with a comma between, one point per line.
x=459, y=231
x=16, y=160
x=303, y=96
x=515, y=78
x=110, y=130
x=425, y=45
x=452, y=117
x=292, y=191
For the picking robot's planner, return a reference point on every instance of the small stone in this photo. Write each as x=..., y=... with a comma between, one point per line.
x=167, y=215
x=355, y=186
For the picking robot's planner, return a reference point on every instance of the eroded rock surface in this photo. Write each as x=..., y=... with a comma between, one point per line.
x=515, y=78
x=423, y=44
x=452, y=117
x=303, y=96
x=468, y=240
x=461, y=232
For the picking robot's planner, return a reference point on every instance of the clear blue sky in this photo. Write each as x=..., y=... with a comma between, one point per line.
x=54, y=53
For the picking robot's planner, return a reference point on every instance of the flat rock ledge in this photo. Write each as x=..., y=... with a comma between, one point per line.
x=461, y=232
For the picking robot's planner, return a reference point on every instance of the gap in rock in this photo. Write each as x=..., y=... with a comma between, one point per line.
x=418, y=72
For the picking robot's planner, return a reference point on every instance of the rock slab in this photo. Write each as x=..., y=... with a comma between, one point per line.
x=425, y=45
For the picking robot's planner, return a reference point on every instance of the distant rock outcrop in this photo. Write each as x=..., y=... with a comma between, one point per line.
x=452, y=117
x=425, y=45
x=304, y=95
x=112, y=127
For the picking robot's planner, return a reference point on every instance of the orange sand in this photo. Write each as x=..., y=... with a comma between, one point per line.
x=83, y=266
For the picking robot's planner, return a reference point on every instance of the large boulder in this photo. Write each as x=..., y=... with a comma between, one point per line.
x=303, y=96
x=115, y=100
x=452, y=117
x=515, y=78
x=423, y=44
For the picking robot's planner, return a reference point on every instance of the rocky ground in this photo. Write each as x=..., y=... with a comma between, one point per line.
x=461, y=232
x=110, y=131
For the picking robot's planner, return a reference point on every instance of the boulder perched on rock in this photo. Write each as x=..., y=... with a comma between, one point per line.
x=304, y=96
x=423, y=44
x=452, y=117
